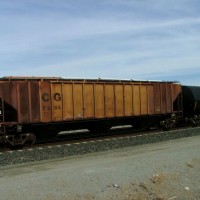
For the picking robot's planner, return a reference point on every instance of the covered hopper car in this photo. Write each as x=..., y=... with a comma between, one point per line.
x=37, y=107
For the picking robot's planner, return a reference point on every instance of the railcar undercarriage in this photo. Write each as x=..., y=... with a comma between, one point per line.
x=20, y=135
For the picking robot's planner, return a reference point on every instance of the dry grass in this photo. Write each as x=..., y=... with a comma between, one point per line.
x=159, y=186
x=191, y=165
x=158, y=178
x=193, y=162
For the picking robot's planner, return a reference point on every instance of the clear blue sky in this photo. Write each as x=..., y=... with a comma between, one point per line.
x=123, y=39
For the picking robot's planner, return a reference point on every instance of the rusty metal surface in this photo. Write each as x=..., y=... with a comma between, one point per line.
x=176, y=90
x=151, y=99
x=57, y=99
x=163, y=99
x=45, y=101
x=38, y=100
x=169, y=98
x=23, y=102
x=8, y=92
x=34, y=99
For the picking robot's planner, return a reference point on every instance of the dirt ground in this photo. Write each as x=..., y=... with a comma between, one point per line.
x=163, y=171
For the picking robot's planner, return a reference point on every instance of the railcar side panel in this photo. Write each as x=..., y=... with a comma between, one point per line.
x=34, y=101
x=136, y=100
x=99, y=101
x=78, y=100
x=57, y=101
x=151, y=106
x=176, y=90
x=88, y=101
x=176, y=98
x=128, y=100
x=119, y=100
x=8, y=92
x=46, y=105
x=7, y=97
x=163, y=99
x=157, y=93
x=23, y=102
x=169, y=98
x=109, y=100
x=144, y=99
x=68, y=104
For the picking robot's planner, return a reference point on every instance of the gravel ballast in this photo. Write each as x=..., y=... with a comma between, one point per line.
x=65, y=150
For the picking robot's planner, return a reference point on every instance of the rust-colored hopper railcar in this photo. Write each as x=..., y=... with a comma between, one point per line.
x=33, y=105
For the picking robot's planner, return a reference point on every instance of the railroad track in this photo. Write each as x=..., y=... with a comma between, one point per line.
x=70, y=137
x=72, y=147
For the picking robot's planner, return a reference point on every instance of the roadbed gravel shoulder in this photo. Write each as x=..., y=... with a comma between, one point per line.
x=160, y=171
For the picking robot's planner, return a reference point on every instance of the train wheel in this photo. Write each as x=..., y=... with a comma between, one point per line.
x=195, y=121
x=31, y=139
x=168, y=124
